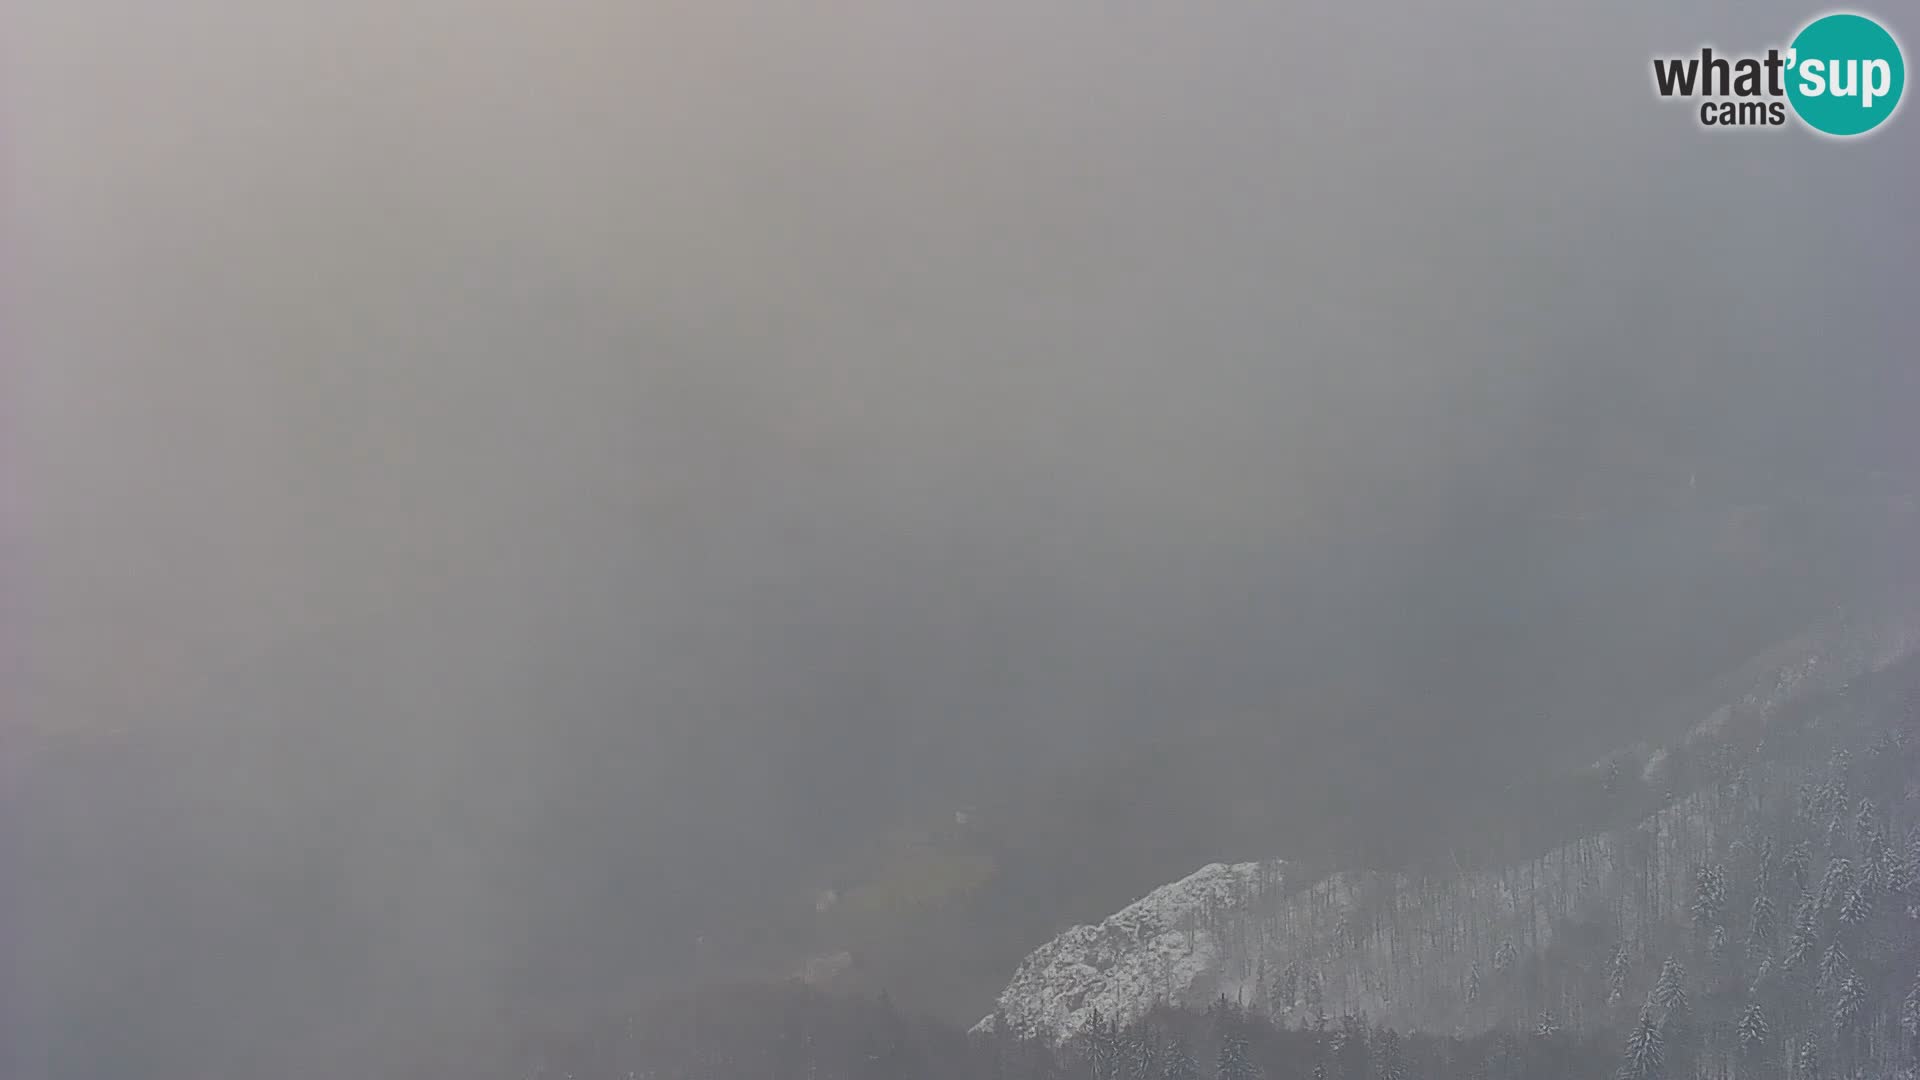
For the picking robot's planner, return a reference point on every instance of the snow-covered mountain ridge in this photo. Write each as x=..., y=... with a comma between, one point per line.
x=1445, y=952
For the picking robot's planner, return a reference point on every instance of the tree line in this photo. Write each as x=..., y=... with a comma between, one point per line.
x=797, y=1032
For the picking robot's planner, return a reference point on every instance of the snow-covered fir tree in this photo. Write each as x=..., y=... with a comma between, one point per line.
x=1138, y=1052
x=1805, y=936
x=1709, y=898
x=1910, y=1011
x=1799, y=863
x=1619, y=966
x=1834, y=965
x=1232, y=1062
x=1857, y=907
x=1835, y=882
x=1865, y=822
x=1504, y=957
x=1098, y=1044
x=1752, y=1029
x=1670, y=991
x=1389, y=1063
x=1646, y=1052
x=1760, y=927
x=1678, y=1036
x=1850, y=999
x=1807, y=1061
x=1178, y=1063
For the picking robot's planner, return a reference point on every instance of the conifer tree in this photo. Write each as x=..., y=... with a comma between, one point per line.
x=1389, y=1058
x=1322, y=1049
x=1835, y=882
x=1138, y=1053
x=1875, y=861
x=1504, y=957
x=1618, y=968
x=1178, y=1063
x=1752, y=1030
x=1231, y=1061
x=1836, y=792
x=1807, y=1064
x=1910, y=1024
x=1669, y=991
x=1349, y=1048
x=1892, y=872
x=1805, y=936
x=1709, y=898
x=1865, y=821
x=1646, y=1054
x=1678, y=1036
x=1798, y=862
x=1762, y=971
x=1097, y=1044
x=1280, y=990
x=1760, y=929
x=1504, y=1063
x=1849, y=1002
x=1764, y=856
x=1856, y=908
x=1834, y=966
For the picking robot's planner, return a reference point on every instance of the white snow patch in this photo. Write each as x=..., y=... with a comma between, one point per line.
x=1155, y=949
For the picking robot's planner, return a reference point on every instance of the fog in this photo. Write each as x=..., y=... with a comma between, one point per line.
x=537, y=481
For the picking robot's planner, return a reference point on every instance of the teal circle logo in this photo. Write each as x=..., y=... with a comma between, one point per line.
x=1845, y=74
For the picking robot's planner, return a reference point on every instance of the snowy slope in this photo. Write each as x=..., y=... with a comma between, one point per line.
x=1171, y=944
x=1438, y=953
x=1400, y=949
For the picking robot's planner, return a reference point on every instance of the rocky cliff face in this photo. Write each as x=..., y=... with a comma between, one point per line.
x=1465, y=949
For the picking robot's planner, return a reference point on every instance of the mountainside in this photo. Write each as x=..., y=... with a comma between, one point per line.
x=1462, y=693
x=1699, y=851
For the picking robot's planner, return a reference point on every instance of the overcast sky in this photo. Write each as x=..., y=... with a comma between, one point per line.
x=765, y=411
